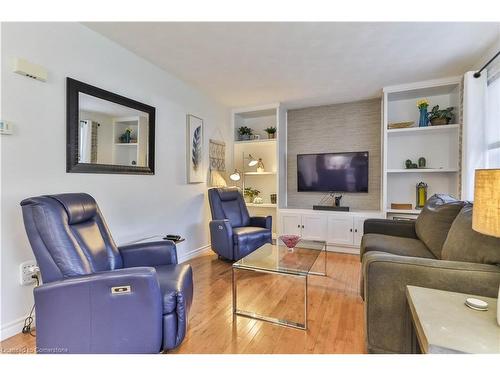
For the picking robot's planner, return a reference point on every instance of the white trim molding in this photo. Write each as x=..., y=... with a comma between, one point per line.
x=14, y=327
x=183, y=257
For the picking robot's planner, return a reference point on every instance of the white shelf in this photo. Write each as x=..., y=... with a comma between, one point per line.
x=423, y=170
x=396, y=211
x=424, y=129
x=260, y=141
x=439, y=145
x=126, y=144
x=263, y=205
x=259, y=173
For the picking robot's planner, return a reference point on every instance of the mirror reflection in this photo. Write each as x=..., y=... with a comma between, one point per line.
x=111, y=133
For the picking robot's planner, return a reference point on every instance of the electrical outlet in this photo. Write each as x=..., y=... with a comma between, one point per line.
x=28, y=269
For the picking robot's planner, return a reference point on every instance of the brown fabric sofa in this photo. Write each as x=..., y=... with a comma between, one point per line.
x=439, y=250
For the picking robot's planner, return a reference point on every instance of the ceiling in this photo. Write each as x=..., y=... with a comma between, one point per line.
x=302, y=64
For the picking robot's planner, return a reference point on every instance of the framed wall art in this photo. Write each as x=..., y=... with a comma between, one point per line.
x=194, y=150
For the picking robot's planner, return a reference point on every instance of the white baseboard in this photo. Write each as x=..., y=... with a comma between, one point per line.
x=14, y=327
x=192, y=253
x=343, y=249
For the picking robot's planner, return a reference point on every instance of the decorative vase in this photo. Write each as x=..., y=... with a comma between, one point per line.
x=271, y=135
x=290, y=241
x=421, y=162
x=273, y=198
x=127, y=137
x=424, y=117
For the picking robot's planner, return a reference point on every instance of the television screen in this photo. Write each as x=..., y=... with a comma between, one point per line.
x=335, y=172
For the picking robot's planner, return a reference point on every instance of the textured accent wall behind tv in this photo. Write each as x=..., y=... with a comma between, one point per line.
x=343, y=127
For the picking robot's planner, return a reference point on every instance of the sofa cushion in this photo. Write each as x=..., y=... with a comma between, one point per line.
x=466, y=245
x=435, y=220
x=404, y=246
x=176, y=285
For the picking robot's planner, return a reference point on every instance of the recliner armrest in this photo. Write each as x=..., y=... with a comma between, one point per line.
x=149, y=254
x=398, y=228
x=83, y=315
x=262, y=222
x=221, y=237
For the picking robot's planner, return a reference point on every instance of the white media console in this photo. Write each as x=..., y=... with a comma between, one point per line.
x=342, y=231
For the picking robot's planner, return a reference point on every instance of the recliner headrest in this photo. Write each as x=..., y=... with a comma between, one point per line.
x=228, y=194
x=80, y=207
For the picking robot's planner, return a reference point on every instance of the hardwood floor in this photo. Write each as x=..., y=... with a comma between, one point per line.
x=335, y=314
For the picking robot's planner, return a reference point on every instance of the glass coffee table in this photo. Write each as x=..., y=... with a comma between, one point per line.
x=307, y=258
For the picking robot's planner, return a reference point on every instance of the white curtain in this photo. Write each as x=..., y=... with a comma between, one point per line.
x=474, y=128
x=85, y=136
x=492, y=129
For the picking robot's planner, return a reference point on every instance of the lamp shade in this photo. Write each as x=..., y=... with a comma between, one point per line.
x=235, y=176
x=252, y=162
x=486, y=212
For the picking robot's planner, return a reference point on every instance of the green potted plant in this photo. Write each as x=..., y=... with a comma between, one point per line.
x=244, y=133
x=251, y=193
x=271, y=132
x=440, y=116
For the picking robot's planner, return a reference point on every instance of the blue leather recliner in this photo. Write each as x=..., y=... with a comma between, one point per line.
x=97, y=297
x=234, y=234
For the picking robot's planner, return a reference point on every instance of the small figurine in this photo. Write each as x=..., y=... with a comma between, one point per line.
x=421, y=162
x=337, y=200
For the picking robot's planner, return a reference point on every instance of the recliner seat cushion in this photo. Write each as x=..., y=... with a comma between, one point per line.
x=466, y=245
x=435, y=220
x=175, y=285
x=403, y=246
x=247, y=239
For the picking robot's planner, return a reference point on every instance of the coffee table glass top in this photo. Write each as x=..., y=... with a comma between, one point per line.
x=278, y=258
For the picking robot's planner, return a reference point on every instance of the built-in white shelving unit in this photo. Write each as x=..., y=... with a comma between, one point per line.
x=262, y=205
x=269, y=150
x=259, y=173
x=130, y=154
x=439, y=145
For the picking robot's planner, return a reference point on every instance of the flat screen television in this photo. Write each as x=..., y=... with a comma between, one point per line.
x=334, y=172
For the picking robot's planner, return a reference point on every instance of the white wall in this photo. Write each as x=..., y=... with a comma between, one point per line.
x=34, y=158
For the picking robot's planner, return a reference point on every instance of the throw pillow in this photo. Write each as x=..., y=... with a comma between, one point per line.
x=464, y=244
x=435, y=221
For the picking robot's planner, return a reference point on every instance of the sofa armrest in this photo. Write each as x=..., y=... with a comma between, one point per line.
x=398, y=228
x=262, y=222
x=84, y=315
x=388, y=324
x=149, y=254
x=221, y=238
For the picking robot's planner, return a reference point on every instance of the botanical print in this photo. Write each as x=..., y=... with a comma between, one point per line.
x=195, y=149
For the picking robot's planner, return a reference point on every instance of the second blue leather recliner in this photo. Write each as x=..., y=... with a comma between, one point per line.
x=234, y=234
x=97, y=297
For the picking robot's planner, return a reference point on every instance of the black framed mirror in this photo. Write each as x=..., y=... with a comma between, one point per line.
x=107, y=133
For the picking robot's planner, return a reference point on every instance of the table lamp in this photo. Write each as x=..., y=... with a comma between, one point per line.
x=486, y=212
